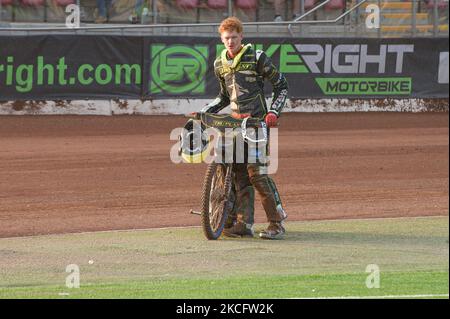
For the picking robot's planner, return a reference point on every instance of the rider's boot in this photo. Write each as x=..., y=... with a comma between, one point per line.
x=229, y=222
x=275, y=230
x=239, y=229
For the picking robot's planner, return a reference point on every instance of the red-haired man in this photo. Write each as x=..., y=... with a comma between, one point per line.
x=241, y=71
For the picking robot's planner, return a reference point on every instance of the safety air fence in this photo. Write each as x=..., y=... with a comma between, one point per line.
x=171, y=71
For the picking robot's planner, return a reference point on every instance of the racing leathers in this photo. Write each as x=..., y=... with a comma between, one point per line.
x=242, y=87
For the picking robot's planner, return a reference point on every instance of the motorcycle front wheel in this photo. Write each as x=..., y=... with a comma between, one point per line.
x=216, y=199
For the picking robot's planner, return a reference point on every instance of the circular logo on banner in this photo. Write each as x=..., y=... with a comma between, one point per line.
x=178, y=69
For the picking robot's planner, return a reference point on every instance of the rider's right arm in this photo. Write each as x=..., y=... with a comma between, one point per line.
x=222, y=100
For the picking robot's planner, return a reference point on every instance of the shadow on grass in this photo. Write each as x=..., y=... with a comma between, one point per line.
x=362, y=238
x=346, y=238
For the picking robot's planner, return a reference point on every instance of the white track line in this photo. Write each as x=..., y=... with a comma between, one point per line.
x=381, y=297
x=187, y=227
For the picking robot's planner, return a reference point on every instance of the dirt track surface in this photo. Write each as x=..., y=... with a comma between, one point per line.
x=62, y=174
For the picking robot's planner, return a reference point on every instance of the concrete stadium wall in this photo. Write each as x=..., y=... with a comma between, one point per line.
x=161, y=107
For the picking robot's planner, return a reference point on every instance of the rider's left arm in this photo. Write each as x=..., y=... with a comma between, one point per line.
x=280, y=86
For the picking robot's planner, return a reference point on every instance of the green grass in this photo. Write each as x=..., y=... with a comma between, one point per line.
x=307, y=286
x=316, y=259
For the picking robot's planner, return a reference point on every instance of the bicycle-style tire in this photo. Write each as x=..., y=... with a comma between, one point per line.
x=215, y=195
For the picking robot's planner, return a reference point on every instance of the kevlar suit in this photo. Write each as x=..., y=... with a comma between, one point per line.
x=242, y=87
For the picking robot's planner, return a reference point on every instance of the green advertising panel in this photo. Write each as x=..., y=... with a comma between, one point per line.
x=102, y=67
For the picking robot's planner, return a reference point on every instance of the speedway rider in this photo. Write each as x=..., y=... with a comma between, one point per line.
x=241, y=71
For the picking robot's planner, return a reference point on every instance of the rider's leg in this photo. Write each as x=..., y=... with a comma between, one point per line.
x=231, y=218
x=244, y=206
x=245, y=195
x=271, y=200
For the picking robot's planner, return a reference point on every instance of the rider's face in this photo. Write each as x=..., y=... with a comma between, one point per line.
x=232, y=41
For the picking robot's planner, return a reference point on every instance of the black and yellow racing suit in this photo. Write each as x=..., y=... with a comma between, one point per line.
x=242, y=87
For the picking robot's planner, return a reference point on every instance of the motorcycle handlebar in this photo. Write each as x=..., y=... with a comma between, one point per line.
x=205, y=117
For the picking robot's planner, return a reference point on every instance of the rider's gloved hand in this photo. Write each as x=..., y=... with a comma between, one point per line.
x=271, y=119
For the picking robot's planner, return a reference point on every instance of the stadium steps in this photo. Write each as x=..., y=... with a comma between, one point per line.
x=404, y=16
x=397, y=18
x=391, y=5
x=408, y=28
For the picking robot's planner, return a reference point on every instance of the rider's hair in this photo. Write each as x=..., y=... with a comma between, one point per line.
x=231, y=24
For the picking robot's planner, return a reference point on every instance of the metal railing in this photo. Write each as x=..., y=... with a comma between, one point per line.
x=296, y=22
x=320, y=5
